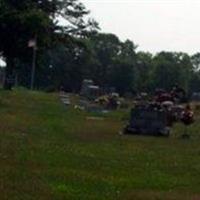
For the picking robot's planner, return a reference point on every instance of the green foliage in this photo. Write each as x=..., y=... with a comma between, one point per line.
x=112, y=63
x=21, y=21
x=145, y=72
x=67, y=54
x=172, y=68
x=122, y=77
x=195, y=59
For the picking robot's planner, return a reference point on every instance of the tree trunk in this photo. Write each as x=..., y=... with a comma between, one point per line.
x=9, y=76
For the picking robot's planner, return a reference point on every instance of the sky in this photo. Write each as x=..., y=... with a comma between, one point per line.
x=154, y=25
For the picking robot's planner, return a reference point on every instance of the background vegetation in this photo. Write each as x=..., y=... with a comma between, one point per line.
x=71, y=51
x=113, y=63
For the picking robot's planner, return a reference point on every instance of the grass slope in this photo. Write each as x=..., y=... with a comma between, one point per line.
x=49, y=151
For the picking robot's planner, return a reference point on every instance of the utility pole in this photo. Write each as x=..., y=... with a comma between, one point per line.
x=33, y=43
x=33, y=68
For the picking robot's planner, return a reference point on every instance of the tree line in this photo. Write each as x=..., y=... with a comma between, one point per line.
x=112, y=63
x=66, y=55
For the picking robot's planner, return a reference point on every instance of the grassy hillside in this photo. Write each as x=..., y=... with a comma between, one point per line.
x=49, y=151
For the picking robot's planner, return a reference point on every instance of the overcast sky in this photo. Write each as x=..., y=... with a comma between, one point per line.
x=155, y=25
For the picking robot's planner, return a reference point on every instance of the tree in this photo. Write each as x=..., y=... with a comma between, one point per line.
x=172, y=68
x=144, y=70
x=105, y=49
x=123, y=73
x=195, y=59
x=113, y=63
x=23, y=20
x=122, y=77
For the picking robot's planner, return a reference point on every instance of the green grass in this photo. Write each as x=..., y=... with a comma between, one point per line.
x=49, y=151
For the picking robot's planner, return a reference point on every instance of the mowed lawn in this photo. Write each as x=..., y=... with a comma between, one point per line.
x=52, y=152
